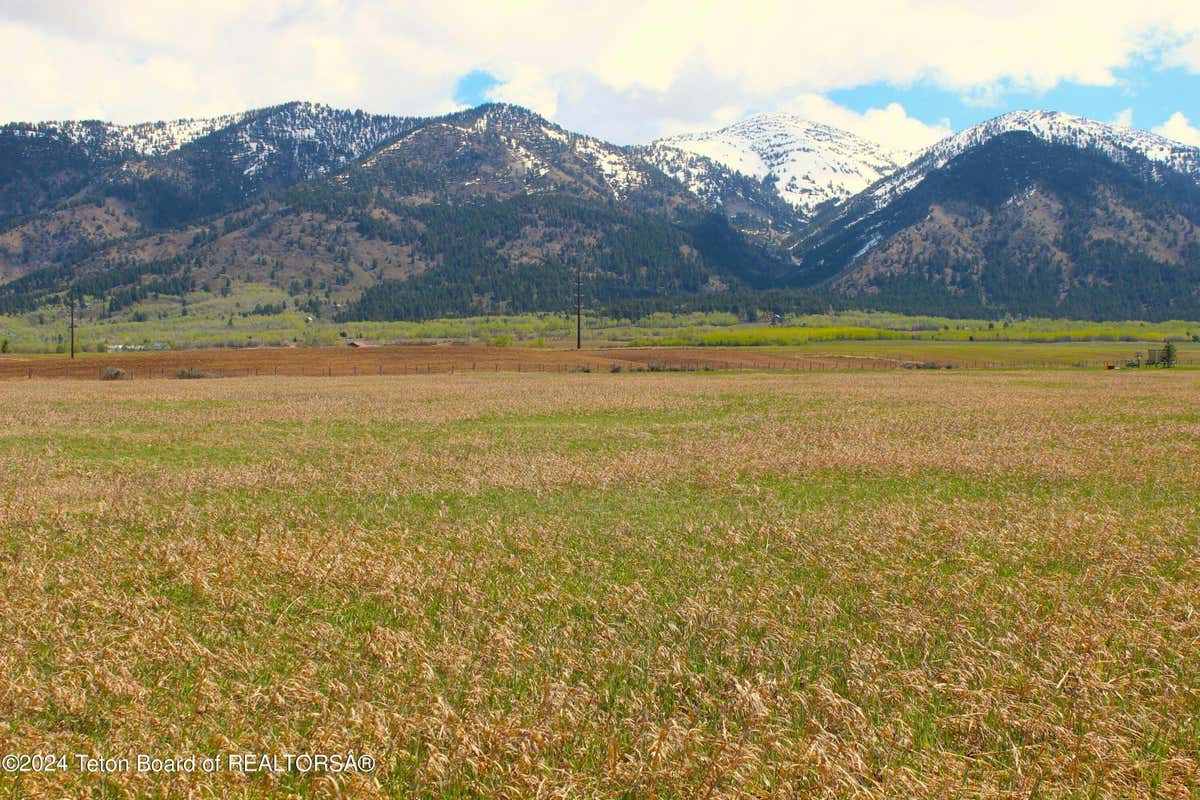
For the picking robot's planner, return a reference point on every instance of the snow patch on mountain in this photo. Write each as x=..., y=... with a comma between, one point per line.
x=554, y=133
x=702, y=176
x=862, y=251
x=533, y=165
x=620, y=171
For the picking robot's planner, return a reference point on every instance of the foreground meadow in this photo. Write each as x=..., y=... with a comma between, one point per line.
x=937, y=584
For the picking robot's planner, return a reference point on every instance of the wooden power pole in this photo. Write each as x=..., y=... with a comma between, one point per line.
x=72, y=324
x=579, y=307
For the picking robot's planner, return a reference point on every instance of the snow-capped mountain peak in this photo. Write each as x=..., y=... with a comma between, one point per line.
x=1116, y=142
x=810, y=162
x=306, y=131
x=1061, y=128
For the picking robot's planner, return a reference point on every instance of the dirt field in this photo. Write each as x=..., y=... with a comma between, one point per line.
x=420, y=359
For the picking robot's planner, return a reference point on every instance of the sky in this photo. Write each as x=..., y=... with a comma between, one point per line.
x=901, y=72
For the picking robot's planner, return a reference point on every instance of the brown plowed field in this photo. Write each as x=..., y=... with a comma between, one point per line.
x=414, y=359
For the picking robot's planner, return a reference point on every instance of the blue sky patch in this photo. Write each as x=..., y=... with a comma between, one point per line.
x=473, y=87
x=1152, y=93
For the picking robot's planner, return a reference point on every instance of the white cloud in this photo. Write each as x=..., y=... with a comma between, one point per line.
x=1184, y=53
x=890, y=126
x=1178, y=127
x=718, y=118
x=626, y=72
x=1124, y=119
x=526, y=89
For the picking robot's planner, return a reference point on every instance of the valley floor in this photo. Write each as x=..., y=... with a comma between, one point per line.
x=873, y=584
x=395, y=360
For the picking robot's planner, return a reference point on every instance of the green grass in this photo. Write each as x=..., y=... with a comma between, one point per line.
x=774, y=336
x=213, y=320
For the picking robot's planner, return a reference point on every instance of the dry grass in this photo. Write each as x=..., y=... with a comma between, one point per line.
x=421, y=359
x=829, y=585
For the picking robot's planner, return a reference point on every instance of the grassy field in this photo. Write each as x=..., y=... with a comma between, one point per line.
x=213, y=320
x=894, y=584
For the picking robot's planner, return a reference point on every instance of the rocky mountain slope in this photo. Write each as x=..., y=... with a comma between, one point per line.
x=1032, y=213
x=68, y=188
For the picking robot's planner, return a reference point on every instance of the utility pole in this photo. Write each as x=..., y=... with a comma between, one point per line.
x=579, y=306
x=72, y=323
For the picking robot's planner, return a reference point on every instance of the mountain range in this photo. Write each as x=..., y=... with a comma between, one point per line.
x=496, y=209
